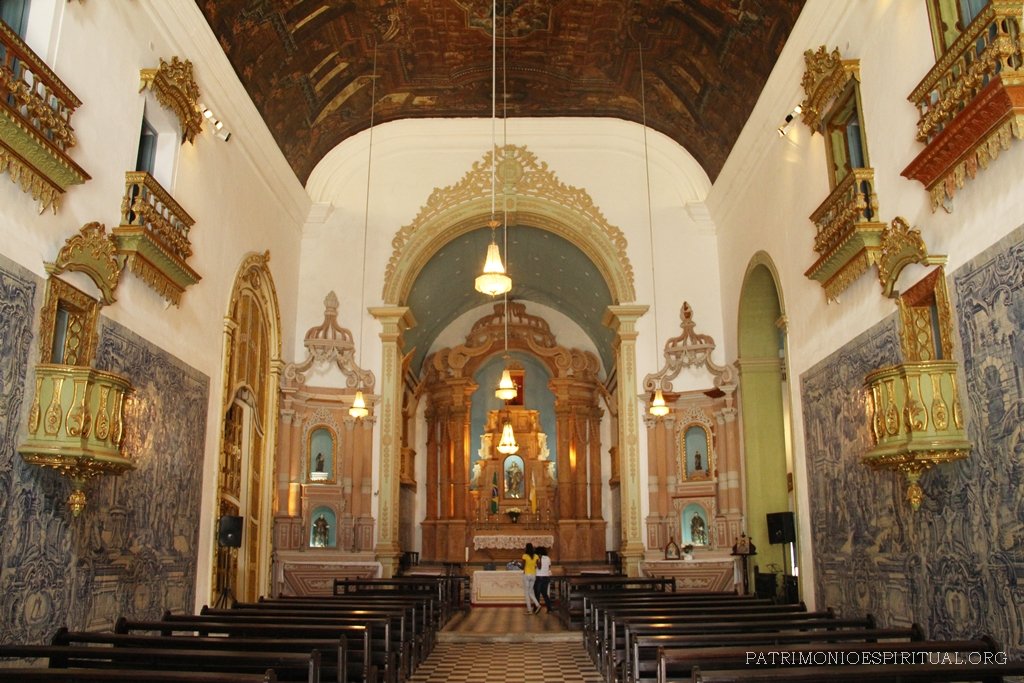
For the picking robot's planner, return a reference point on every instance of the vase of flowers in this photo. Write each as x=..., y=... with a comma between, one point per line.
x=513, y=514
x=687, y=551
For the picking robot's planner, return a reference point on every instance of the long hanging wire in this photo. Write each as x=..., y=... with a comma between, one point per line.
x=366, y=212
x=494, y=102
x=504, y=193
x=650, y=218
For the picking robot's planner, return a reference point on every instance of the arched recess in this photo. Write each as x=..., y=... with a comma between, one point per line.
x=536, y=197
x=252, y=366
x=762, y=359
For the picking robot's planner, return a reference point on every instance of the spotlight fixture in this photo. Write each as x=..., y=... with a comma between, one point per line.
x=216, y=124
x=789, y=120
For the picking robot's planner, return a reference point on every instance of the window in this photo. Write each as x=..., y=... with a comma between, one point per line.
x=845, y=137
x=146, y=160
x=949, y=18
x=14, y=13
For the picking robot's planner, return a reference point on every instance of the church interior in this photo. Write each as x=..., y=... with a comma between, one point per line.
x=753, y=297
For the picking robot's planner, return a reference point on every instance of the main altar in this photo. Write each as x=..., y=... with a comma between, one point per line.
x=486, y=501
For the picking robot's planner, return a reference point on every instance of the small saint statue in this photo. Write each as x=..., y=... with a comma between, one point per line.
x=698, y=530
x=319, y=463
x=321, y=529
x=697, y=464
x=514, y=481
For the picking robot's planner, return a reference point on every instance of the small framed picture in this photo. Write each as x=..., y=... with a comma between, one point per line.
x=672, y=550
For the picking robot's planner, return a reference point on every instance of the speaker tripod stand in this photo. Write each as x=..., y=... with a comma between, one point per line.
x=225, y=597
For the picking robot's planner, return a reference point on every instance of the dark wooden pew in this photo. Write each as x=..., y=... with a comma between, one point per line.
x=364, y=644
x=23, y=674
x=922, y=673
x=287, y=666
x=569, y=591
x=643, y=658
x=620, y=640
x=400, y=632
x=678, y=664
x=334, y=661
x=609, y=641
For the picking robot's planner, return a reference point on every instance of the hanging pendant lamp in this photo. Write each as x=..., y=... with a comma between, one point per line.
x=506, y=390
x=508, y=445
x=358, y=409
x=658, y=406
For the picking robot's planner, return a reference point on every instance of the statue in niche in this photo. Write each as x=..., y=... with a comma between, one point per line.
x=321, y=531
x=514, y=481
x=698, y=531
x=697, y=464
x=319, y=467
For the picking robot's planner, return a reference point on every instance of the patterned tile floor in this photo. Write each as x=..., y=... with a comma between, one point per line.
x=506, y=645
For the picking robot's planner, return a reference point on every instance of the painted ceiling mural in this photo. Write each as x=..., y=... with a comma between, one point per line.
x=307, y=63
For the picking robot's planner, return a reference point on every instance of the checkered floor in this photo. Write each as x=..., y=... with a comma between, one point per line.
x=536, y=662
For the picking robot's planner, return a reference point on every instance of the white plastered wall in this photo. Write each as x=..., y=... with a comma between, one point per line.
x=242, y=194
x=770, y=185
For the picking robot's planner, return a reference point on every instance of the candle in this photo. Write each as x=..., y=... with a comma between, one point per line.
x=467, y=553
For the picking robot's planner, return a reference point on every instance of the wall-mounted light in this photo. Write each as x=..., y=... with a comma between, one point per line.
x=789, y=120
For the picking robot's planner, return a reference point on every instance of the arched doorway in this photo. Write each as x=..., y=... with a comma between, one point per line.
x=252, y=351
x=762, y=369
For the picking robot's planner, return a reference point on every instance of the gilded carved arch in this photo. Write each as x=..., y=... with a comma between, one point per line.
x=526, y=332
x=535, y=196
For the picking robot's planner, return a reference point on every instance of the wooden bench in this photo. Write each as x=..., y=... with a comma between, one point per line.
x=920, y=673
x=678, y=664
x=609, y=641
x=287, y=666
x=364, y=645
x=334, y=661
x=78, y=675
x=618, y=647
x=569, y=591
x=400, y=631
x=643, y=658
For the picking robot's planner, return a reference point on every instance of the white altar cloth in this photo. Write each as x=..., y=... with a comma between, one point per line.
x=511, y=541
x=497, y=588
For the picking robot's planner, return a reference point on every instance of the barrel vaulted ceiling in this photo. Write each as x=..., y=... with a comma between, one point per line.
x=306, y=63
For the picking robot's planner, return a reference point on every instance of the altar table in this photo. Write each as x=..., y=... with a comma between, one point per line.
x=498, y=587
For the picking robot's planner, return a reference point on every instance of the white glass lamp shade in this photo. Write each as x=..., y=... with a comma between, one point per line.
x=508, y=444
x=493, y=281
x=658, y=407
x=506, y=390
x=358, y=409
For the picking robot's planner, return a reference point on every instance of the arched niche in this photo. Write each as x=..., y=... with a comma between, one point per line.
x=323, y=527
x=696, y=451
x=320, y=452
x=695, y=525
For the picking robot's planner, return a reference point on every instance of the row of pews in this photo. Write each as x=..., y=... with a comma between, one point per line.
x=368, y=631
x=639, y=634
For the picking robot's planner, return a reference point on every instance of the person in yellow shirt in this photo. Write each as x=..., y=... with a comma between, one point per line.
x=529, y=560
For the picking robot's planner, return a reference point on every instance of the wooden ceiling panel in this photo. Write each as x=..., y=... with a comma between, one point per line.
x=306, y=63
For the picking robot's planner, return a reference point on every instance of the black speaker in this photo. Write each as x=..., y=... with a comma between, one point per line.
x=781, y=528
x=229, y=531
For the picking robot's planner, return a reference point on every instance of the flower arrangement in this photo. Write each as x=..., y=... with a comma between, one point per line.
x=687, y=549
x=513, y=514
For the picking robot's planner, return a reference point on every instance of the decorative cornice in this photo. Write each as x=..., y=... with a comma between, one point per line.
x=175, y=88
x=824, y=79
x=93, y=252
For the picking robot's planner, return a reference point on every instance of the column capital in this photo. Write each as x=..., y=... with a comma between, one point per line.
x=622, y=319
x=394, y=319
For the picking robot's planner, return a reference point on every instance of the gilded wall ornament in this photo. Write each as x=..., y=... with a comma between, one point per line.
x=535, y=195
x=900, y=247
x=175, y=87
x=93, y=252
x=825, y=77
